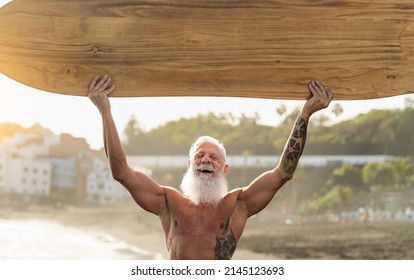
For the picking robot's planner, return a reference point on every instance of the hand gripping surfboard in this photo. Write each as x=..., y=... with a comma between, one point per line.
x=362, y=49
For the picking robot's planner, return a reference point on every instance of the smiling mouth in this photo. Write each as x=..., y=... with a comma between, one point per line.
x=205, y=169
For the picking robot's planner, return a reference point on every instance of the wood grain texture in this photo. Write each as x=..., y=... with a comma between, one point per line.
x=265, y=49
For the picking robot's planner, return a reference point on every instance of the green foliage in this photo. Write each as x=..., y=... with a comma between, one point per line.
x=397, y=174
x=377, y=132
x=330, y=200
x=238, y=134
x=347, y=181
x=378, y=175
x=347, y=175
x=388, y=132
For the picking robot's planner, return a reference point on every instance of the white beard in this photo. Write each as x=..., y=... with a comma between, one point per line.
x=204, y=189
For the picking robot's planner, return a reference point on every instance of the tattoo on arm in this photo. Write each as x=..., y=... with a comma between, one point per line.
x=295, y=146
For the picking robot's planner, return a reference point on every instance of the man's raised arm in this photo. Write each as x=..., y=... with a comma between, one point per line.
x=260, y=192
x=145, y=191
x=321, y=97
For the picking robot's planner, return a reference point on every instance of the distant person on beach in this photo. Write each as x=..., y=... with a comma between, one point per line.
x=205, y=220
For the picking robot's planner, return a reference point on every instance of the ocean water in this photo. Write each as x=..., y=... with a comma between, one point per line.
x=44, y=240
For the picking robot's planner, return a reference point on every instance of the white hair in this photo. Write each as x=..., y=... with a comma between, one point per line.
x=208, y=139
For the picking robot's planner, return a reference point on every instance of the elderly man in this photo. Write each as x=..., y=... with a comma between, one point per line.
x=205, y=221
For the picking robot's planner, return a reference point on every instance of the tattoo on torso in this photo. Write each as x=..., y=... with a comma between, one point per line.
x=295, y=146
x=225, y=243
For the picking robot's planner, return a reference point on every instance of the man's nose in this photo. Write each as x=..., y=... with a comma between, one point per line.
x=205, y=159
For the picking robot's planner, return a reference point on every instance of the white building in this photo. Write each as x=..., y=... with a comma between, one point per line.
x=20, y=170
x=4, y=169
x=101, y=187
x=63, y=173
x=29, y=176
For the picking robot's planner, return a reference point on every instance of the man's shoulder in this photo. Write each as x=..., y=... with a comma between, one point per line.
x=171, y=191
x=174, y=195
x=234, y=193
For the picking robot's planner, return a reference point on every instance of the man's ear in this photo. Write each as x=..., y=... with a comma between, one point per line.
x=226, y=169
x=189, y=162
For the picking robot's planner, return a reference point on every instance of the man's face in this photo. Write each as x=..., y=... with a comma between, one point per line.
x=208, y=163
x=205, y=179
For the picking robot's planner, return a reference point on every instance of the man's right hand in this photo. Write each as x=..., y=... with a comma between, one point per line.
x=99, y=89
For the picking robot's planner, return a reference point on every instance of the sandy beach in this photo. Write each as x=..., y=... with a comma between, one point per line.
x=263, y=239
x=321, y=240
x=126, y=223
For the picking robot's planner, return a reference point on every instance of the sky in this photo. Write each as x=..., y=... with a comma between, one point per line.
x=77, y=115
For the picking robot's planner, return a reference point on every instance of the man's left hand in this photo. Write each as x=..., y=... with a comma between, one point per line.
x=320, y=99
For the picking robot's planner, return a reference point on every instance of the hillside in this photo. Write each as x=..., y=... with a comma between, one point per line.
x=388, y=132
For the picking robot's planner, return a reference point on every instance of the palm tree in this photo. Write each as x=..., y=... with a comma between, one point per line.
x=281, y=110
x=337, y=109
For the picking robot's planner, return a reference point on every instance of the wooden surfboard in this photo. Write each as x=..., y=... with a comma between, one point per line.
x=266, y=49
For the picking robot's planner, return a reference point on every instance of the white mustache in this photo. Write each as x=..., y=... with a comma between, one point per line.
x=206, y=167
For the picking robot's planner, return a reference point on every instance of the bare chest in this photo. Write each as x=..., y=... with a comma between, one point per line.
x=200, y=220
x=202, y=233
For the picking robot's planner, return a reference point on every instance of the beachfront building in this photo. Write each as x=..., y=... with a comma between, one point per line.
x=45, y=164
x=4, y=160
x=20, y=171
x=101, y=187
x=28, y=176
x=63, y=178
x=59, y=166
x=78, y=149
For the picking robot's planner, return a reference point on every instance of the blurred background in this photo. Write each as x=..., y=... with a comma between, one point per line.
x=351, y=197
